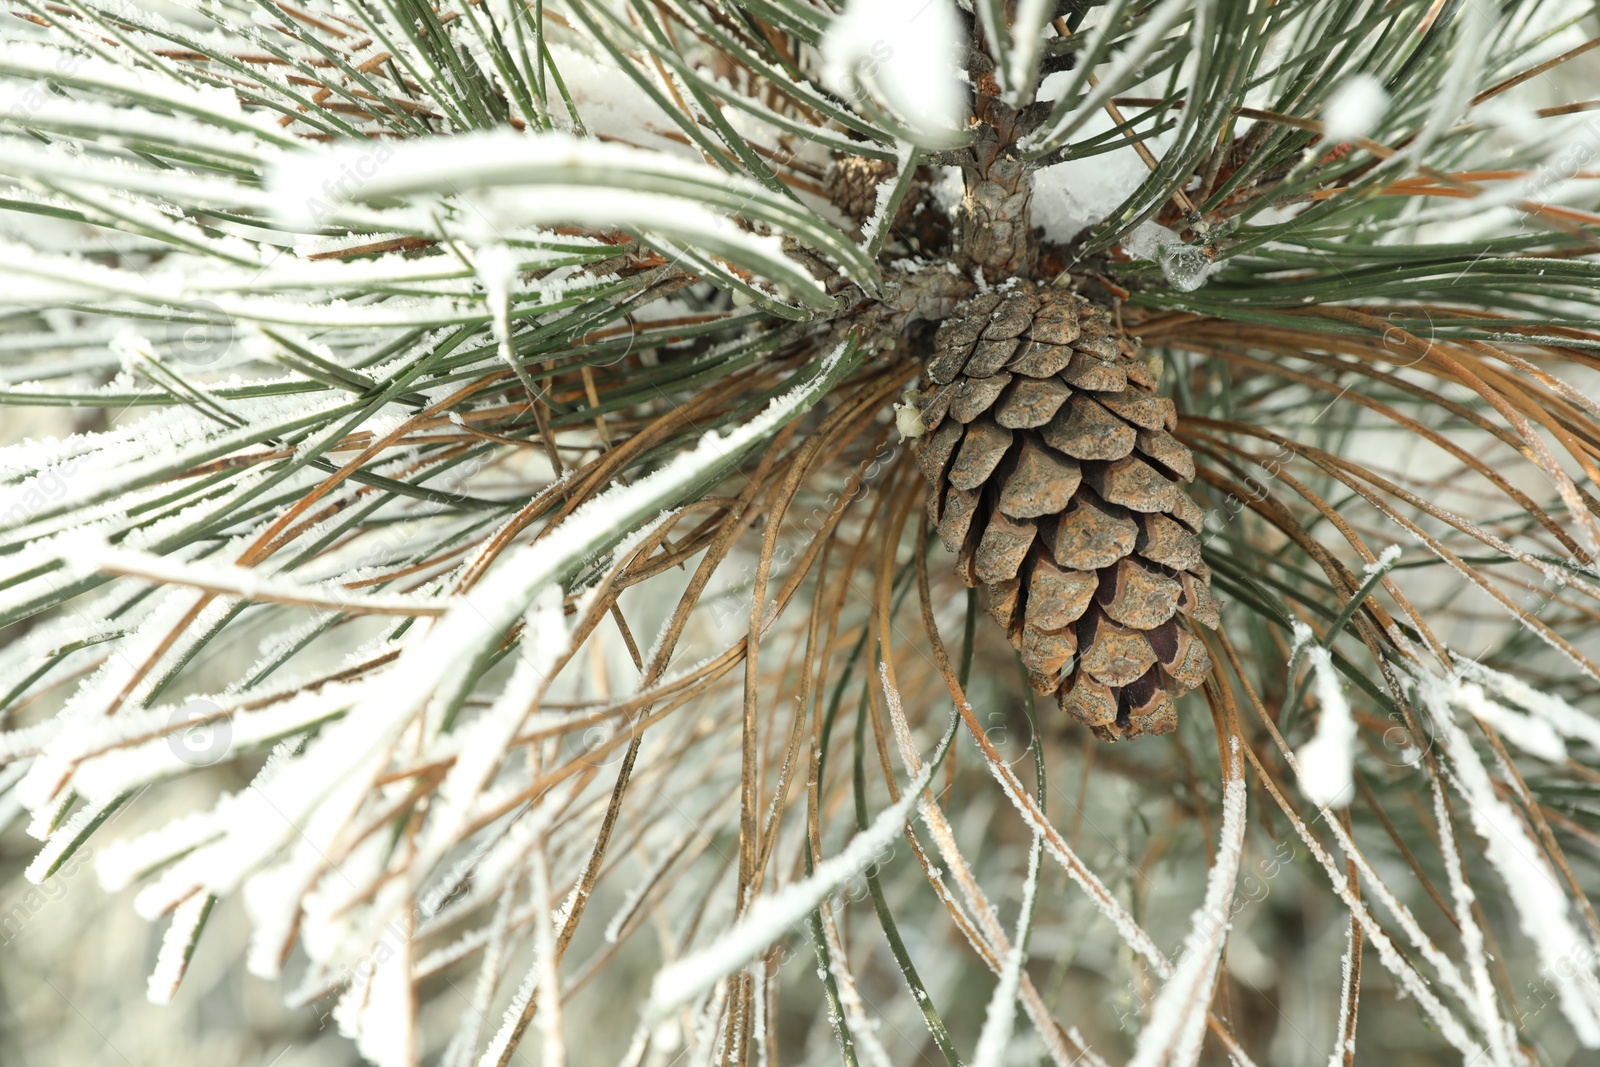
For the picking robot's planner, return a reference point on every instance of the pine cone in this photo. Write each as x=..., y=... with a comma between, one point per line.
x=1056, y=482
x=853, y=184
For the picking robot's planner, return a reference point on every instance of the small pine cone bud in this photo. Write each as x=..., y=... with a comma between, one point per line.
x=1054, y=479
x=853, y=184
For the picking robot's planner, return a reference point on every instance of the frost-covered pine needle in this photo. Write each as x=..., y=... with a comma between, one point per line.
x=1542, y=908
x=1178, y=1018
x=1499, y=1033
x=769, y=916
x=1001, y=1014
x=177, y=946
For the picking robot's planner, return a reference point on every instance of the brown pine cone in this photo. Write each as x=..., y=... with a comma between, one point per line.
x=853, y=184
x=1054, y=478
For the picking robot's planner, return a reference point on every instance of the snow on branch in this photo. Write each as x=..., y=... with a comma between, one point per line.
x=94, y=553
x=1324, y=763
x=215, y=106
x=1001, y=1015
x=1532, y=886
x=514, y=180
x=1562, y=717
x=311, y=800
x=904, y=52
x=1501, y=1036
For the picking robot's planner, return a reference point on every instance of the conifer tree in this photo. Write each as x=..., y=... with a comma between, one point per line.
x=814, y=531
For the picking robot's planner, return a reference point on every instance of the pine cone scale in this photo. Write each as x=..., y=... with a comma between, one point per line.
x=1089, y=536
x=1041, y=483
x=990, y=355
x=1133, y=484
x=1032, y=402
x=974, y=396
x=1137, y=596
x=1094, y=375
x=982, y=448
x=1001, y=550
x=1058, y=597
x=1042, y=358
x=1090, y=432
